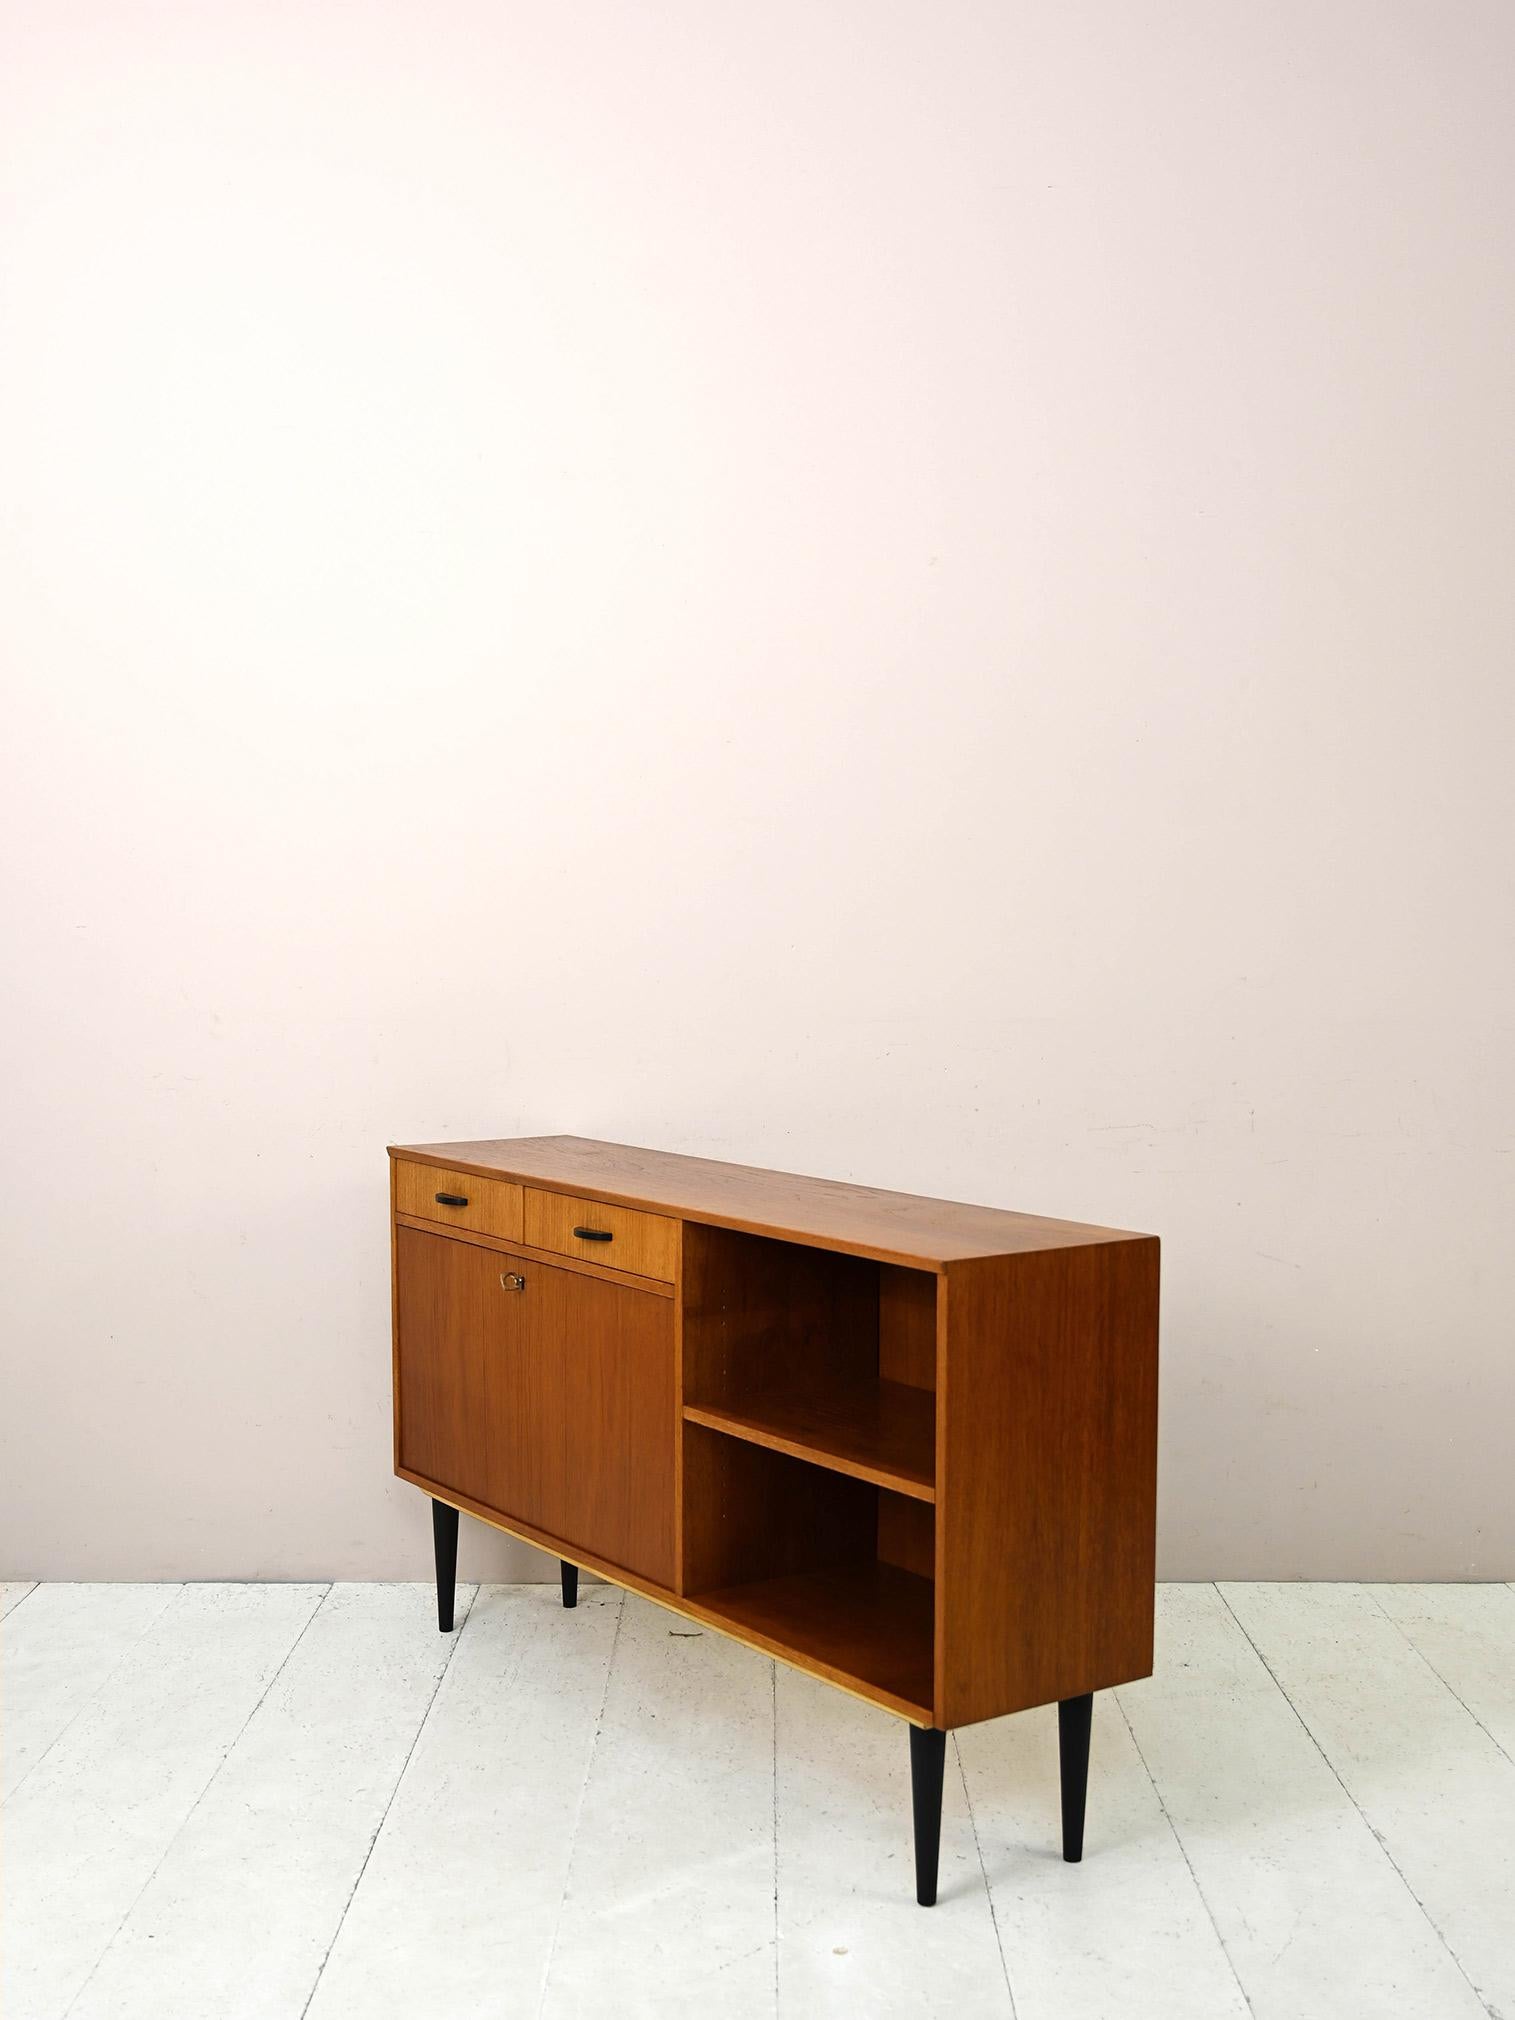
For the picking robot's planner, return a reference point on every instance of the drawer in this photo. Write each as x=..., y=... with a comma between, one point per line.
x=647, y=1244
x=459, y=1199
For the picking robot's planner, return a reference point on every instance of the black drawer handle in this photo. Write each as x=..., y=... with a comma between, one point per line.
x=452, y=1199
x=593, y=1234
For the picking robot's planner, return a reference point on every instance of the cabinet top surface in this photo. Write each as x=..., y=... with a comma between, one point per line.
x=826, y=1213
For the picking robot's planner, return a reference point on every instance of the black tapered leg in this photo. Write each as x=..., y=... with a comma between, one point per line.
x=444, y=1541
x=1074, y=1715
x=928, y=1753
x=570, y=1582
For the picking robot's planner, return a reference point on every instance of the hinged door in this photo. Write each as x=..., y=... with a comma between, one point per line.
x=580, y=1416
x=542, y=1393
x=443, y=1292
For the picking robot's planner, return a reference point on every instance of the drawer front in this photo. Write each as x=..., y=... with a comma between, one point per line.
x=647, y=1244
x=459, y=1199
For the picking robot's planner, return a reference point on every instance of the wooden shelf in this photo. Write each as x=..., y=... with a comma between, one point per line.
x=867, y=1626
x=883, y=1432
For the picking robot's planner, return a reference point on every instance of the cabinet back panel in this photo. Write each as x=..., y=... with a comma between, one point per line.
x=762, y=1314
x=750, y=1513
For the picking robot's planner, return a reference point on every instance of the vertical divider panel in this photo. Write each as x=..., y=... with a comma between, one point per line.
x=907, y=1325
x=907, y=1301
x=678, y=1407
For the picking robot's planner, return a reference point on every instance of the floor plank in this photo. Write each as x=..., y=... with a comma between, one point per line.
x=1315, y=1919
x=1435, y=1788
x=1089, y=1942
x=851, y=1939
x=223, y=1785
x=669, y=1906
x=1467, y=1634
x=454, y=1916
x=238, y=1917
x=57, y=1652
x=86, y=1830
x=13, y=1591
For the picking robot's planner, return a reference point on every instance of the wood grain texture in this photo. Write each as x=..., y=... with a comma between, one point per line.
x=581, y=1410
x=646, y=1244
x=784, y=1344
x=907, y=1534
x=679, y=1560
x=553, y=1404
x=524, y=1401
x=678, y=1603
x=869, y=1623
x=768, y=1317
x=394, y=1321
x=541, y=1539
x=879, y=1431
x=616, y=1351
x=493, y=1204
x=751, y=1513
x=1046, y=1478
x=860, y=1220
x=442, y=1288
x=649, y=1285
x=907, y=1326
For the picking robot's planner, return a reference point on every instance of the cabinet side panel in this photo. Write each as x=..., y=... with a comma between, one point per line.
x=1047, y=1494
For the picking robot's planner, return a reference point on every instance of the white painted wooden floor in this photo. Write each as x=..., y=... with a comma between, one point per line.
x=279, y=1800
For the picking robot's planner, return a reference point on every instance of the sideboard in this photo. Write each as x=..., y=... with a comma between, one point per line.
x=908, y=1446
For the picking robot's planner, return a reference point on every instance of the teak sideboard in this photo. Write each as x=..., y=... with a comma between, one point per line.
x=907, y=1446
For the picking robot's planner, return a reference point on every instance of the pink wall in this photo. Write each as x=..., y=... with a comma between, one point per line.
x=920, y=592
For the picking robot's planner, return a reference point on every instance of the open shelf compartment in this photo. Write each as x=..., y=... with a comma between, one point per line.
x=880, y=1430
x=831, y=1572
x=866, y=1626
x=809, y=1429
x=829, y=1358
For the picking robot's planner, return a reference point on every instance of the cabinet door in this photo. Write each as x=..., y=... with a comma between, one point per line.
x=541, y=1393
x=579, y=1420
x=443, y=1292
x=522, y=1399
x=616, y=1348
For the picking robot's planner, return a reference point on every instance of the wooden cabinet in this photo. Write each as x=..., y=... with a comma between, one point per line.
x=905, y=1445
